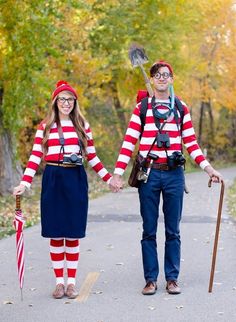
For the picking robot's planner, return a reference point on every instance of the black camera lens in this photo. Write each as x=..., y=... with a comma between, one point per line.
x=73, y=158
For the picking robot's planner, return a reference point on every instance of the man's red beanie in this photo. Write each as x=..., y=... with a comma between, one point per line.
x=63, y=86
x=160, y=63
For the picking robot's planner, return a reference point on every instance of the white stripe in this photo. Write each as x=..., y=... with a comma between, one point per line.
x=26, y=184
x=39, y=134
x=204, y=164
x=128, y=145
x=188, y=132
x=57, y=250
x=135, y=119
x=57, y=264
x=34, y=159
x=68, y=149
x=72, y=250
x=187, y=145
x=133, y=133
x=187, y=118
x=90, y=149
x=94, y=161
x=195, y=153
x=119, y=171
x=123, y=158
x=71, y=264
x=167, y=127
x=102, y=173
x=37, y=147
x=67, y=135
x=149, y=141
x=29, y=172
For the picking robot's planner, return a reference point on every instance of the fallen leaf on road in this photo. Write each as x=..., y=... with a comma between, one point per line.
x=97, y=292
x=8, y=302
x=110, y=246
x=179, y=307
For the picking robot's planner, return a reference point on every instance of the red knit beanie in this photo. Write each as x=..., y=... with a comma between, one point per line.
x=158, y=64
x=63, y=86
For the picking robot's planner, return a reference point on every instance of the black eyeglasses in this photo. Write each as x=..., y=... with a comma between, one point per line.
x=69, y=100
x=165, y=75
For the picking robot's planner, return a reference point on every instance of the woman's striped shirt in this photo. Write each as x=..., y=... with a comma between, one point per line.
x=54, y=147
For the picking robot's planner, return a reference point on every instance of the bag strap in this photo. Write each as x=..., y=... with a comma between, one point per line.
x=144, y=107
x=143, y=112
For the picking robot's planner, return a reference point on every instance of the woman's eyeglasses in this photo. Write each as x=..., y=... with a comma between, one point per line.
x=69, y=100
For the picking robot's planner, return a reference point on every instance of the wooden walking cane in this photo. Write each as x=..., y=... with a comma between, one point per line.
x=216, y=233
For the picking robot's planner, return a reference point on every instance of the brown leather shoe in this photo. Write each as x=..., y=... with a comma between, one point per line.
x=71, y=292
x=150, y=288
x=59, y=291
x=172, y=287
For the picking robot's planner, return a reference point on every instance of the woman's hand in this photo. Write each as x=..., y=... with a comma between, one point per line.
x=19, y=190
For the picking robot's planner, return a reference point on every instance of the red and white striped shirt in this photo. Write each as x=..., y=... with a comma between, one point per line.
x=149, y=133
x=53, y=154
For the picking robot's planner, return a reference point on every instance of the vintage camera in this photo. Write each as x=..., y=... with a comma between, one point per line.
x=163, y=140
x=175, y=160
x=73, y=158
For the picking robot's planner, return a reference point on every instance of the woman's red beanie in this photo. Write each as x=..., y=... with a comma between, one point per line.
x=63, y=86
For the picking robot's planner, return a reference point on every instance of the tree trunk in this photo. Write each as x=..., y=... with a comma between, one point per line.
x=10, y=171
x=201, y=123
x=117, y=105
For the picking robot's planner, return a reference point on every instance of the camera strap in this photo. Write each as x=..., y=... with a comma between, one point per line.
x=62, y=140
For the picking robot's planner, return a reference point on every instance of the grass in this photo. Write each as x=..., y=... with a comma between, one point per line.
x=231, y=200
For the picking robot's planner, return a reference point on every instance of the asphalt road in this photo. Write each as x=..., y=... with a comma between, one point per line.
x=110, y=276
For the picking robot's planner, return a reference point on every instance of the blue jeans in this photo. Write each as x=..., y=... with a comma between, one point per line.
x=171, y=185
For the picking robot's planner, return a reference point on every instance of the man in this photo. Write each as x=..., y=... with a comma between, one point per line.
x=161, y=136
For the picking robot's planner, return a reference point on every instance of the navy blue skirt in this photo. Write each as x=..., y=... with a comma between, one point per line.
x=64, y=202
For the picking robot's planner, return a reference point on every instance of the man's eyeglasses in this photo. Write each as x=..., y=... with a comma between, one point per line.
x=69, y=100
x=165, y=75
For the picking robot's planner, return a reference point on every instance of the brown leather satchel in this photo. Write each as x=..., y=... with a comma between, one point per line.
x=133, y=178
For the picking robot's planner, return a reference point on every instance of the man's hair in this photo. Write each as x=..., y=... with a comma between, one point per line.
x=157, y=65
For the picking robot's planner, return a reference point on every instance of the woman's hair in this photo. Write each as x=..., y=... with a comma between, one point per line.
x=77, y=119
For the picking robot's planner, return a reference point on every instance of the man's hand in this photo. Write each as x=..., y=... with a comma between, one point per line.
x=116, y=183
x=213, y=174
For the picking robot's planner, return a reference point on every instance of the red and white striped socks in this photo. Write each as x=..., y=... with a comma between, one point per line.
x=59, y=251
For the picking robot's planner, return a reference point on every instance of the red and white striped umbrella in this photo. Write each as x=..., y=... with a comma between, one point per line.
x=18, y=222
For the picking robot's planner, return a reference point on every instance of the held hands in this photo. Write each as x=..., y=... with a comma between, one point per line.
x=19, y=190
x=213, y=174
x=116, y=183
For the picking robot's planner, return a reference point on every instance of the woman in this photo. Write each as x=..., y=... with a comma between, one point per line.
x=63, y=140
